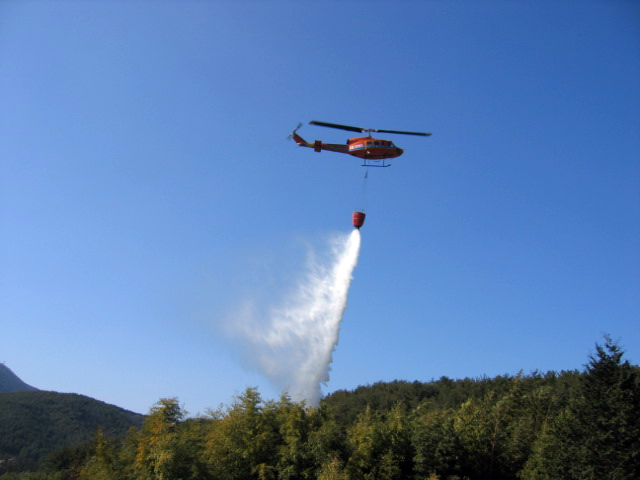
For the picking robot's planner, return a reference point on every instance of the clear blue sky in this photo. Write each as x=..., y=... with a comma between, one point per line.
x=147, y=186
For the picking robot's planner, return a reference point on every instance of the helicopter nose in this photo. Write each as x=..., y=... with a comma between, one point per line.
x=399, y=151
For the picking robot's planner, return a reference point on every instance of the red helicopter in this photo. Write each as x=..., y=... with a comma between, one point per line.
x=367, y=148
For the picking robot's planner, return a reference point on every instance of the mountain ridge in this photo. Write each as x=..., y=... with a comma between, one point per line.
x=34, y=423
x=10, y=382
x=37, y=422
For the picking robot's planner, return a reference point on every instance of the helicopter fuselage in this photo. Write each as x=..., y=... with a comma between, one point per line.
x=373, y=148
x=367, y=148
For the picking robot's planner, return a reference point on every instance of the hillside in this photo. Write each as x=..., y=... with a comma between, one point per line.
x=556, y=426
x=35, y=423
x=553, y=425
x=345, y=406
x=9, y=381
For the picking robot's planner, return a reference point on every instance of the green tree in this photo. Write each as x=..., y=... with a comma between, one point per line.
x=332, y=469
x=366, y=444
x=550, y=458
x=608, y=413
x=67, y=463
x=437, y=445
x=480, y=425
x=158, y=454
x=496, y=432
x=103, y=465
x=398, y=457
x=326, y=440
x=293, y=426
x=597, y=435
x=528, y=407
x=380, y=445
x=242, y=442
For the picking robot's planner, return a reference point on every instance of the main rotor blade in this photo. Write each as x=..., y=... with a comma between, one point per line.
x=399, y=131
x=360, y=129
x=341, y=127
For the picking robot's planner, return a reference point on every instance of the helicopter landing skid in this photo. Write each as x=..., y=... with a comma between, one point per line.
x=365, y=164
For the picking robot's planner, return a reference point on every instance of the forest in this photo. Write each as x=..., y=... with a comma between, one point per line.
x=567, y=425
x=34, y=423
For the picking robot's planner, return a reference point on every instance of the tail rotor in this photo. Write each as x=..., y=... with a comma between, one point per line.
x=290, y=137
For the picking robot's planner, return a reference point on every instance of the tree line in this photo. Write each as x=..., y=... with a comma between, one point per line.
x=567, y=425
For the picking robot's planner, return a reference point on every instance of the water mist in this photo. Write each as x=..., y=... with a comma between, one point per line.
x=292, y=341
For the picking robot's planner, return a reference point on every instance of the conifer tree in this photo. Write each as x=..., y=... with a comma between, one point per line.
x=596, y=436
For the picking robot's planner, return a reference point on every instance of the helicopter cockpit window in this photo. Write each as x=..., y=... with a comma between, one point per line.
x=376, y=143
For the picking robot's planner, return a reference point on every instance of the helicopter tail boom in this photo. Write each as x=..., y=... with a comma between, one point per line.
x=318, y=146
x=301, y=141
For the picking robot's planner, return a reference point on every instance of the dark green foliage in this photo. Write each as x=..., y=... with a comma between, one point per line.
x=607, y=414
x=67, y=462
x=438, y=394
x=438, y=449
x=597, y=434
x=34, y=476
x=35, y=423
x=568, y=425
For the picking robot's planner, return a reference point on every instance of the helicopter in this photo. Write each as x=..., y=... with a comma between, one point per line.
x=371, y=150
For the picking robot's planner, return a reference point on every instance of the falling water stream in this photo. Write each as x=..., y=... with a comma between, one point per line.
x=292, y=343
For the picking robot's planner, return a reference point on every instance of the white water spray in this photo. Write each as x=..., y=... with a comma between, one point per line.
x=292, y=343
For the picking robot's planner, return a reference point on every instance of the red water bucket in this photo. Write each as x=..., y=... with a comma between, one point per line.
x=358, y=219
